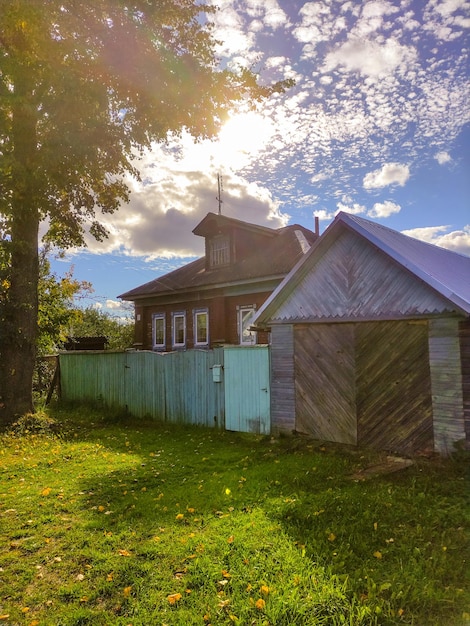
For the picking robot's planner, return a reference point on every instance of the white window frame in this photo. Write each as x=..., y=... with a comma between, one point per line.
x=196, y=314
x=159, y=317
x=174, y=316
x=246, y=338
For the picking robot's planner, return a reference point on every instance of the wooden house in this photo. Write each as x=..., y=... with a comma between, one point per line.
x=212, y=300
x=371, y=341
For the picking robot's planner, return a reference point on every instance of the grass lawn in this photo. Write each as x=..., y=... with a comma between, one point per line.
x=130, y=523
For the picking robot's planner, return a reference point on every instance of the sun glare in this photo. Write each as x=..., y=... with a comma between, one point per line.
x=243, y=136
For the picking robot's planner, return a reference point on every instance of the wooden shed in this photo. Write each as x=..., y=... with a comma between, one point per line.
x=370, y=338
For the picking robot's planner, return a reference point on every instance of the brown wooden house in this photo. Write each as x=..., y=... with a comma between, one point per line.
x=371, y=341
x=212, y=300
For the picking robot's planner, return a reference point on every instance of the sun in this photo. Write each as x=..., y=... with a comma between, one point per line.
x=244, y=136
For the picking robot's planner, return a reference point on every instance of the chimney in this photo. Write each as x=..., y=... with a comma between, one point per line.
x=317, y=226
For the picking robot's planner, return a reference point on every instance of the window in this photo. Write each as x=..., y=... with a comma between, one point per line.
x=158, y=331
x=245, y=317
x=201, y=327
x=179, y=329
x=219, y=249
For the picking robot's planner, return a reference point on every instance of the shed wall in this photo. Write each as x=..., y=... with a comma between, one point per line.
x=446, y=380
x=282, y=379
x=325, y=386
x=464, y=333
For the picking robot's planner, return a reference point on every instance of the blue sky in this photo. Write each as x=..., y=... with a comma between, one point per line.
x=377, y=125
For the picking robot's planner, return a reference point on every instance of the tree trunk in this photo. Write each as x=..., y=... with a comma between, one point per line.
x=19, y=318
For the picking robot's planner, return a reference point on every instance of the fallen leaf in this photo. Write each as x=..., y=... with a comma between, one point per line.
x=174, y=597
x=231, y=539
x=46, y=491
x=264, y=590
x=377, y=554
x=331, y=537
x=260, y=604
x=124, y=553
x=127, y=591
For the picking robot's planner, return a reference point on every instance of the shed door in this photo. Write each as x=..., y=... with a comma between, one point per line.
x=247, y=396
x=394, y=402
x=325, y=394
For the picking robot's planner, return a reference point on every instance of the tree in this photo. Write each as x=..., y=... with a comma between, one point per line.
x=57, y=309
x=91, y=322
x=84, y=87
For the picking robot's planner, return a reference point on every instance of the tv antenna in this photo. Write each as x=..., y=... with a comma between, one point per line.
x=220, y=189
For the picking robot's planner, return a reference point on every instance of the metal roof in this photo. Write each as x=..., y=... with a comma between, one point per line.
x=447, y=272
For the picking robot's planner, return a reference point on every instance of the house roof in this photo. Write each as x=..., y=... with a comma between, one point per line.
x=447, y=272
x=283, y=248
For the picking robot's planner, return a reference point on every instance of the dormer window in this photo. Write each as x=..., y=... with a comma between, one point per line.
x=219, y=251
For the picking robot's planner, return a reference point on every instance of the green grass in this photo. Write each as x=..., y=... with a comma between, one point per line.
x=112, y=522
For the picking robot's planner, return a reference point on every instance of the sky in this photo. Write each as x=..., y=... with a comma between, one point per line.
x=376, y=125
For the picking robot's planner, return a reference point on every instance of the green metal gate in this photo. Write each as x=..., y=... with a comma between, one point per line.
x=247, y=389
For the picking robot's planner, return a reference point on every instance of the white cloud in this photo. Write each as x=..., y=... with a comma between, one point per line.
x=443, y=157
x=457, y=240
x=384, y=209
x=389, y=174
x=369, y=57
x=113, y=304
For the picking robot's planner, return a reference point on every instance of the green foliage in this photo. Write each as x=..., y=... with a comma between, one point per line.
x=56, y=310
x=145, y=523
x=91, y=322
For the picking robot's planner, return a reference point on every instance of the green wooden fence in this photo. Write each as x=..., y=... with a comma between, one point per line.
x=178, y=387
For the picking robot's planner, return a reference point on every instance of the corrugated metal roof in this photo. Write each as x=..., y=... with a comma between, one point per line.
x=447, y=272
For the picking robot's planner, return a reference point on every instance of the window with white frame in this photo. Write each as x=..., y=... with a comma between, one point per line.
x=245, y=317
x=201, y=327
x=219, y=251
x=158, y=331
x=178, y=326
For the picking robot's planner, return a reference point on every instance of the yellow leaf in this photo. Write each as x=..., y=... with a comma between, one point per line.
x=110, y=577
x=25, y=609
x=127, y=591
x=5, y=616
x=190, y=509
x=331, y=537
x=101, y=508
x=260, y=604
x=124, y=553
x=377, y=554
x=227, y=492
x=46, y=491
x=264, y=590
x=174, y=597
x=35, y=622
x=225, y=573
x=231, y=539
x=180, y=516
x=375, y=525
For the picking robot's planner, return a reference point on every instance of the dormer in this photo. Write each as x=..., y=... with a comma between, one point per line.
x=228, y=241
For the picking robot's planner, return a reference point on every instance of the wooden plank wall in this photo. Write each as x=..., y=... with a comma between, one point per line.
x=446, y=382
x=282, y=379
x=464, y=334
x=325, y=382
x=394, y=405
x=175, y=387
